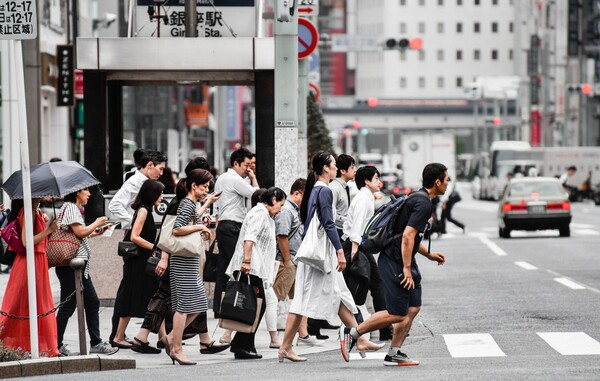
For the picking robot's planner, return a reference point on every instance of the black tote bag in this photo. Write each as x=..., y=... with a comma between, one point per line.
x=239, y=302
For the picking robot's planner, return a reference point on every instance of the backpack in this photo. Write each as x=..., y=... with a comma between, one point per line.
x=379, y=232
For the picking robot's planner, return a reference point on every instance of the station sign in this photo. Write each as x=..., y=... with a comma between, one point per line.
x=18, y=20
x=213, y=21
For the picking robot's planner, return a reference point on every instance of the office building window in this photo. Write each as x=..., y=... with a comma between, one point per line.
x=458, y=2
x=476, y=55
x=421, y=82
x=440, y=27
x=421, y=2
x=440, y=55
x=458, y=27
x=494, y=54
x=421, y=27
x=510, y=27
x=510, y=54
x=459, y=82
x=476, y=27
x=459, y=55
x=495, y=2
x=494, y=27
x=421, y=55
x=476, y=2
x=402, y=82
x=440, y=82
x=402, y=27
x=440, y=2
x=402, y=3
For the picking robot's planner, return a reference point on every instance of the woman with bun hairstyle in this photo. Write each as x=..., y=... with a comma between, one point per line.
x=254, y=256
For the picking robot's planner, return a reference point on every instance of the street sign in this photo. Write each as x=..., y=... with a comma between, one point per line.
x=18, y=20
x=65, y=83
x=308, y=38
x=308, y=8
x=344, y=43
x=285, y=123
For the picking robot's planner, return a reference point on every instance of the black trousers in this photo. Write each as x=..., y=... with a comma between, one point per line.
x=227, y=236
x=447, y=215
x=376, y=288
x=245, y=341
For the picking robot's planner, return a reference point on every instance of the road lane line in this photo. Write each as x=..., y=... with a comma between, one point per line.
x=525, y=265
x=569, y=283
x=571, y=343
x=493, y=247
x=582, y=284
x=472, y=345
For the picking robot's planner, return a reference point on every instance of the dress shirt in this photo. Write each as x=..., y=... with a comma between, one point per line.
x=232, y=203
x=120, y=205
x=340, y=201
x=360, y=212
x=259, y=228
x=287, y=221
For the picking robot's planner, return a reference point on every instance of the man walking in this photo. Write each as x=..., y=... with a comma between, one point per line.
x=399, y=271
x=346, y=171
x=231, y=208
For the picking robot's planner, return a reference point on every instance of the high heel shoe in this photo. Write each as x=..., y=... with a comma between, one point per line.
x=174, y=358
x=165, y=341
x=369, y=347
x=283, y=354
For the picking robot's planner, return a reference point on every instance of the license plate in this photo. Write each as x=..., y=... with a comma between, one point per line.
x=537, y=208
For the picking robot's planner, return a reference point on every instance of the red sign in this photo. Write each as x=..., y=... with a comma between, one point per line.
x=308, y=38
x=536, y=128
x=78, y=84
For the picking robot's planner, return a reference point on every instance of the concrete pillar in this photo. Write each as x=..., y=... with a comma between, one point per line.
x=264, y=85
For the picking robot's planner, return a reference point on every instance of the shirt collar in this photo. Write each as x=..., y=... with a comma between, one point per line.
x=341, y=181
x=232, y=171
x=293, y=204
x=367, y=192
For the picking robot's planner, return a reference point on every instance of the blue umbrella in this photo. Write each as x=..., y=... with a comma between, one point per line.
x=55, y=179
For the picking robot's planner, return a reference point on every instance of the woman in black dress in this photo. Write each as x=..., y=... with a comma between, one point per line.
x=137, y=287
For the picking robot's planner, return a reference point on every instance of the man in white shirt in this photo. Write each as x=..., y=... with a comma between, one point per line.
x=231, y=209
x=152, y=164
x=346, y=167
x=360, y=212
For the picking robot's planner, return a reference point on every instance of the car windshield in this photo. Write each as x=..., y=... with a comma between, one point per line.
x=543, y=189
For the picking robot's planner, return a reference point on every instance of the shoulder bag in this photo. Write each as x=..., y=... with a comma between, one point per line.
x=315, y=246
x=63, y=245
x=12, y=236
x=240, y=306
x=189, y=245
x=126, y=248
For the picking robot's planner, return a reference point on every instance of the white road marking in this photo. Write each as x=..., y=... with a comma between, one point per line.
x=525, y=265
x=571, y=343
x=472, y=345
x=379, y=355
x=569, y=283
x=492, y=246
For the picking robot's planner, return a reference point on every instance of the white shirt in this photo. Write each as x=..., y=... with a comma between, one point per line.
x=120, y=205
x=259, y=228
x=340, y=201
x=360, y=212
x=232, y=203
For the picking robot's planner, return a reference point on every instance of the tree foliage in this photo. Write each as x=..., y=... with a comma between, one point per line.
x=318, y=133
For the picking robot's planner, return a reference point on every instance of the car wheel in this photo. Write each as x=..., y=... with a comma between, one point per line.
x=565, y=231
x=504, y=232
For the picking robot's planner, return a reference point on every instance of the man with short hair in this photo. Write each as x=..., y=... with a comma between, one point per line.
x=346, y=170
x=399, y=271
x=152, y=164
x=231, y=209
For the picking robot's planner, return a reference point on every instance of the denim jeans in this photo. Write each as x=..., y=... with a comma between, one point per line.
x=66, y=276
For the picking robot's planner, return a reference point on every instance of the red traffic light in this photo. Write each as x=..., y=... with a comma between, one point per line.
x=372, y=102
x=347, y=132
x=416, y=43
x=586, y=88
x=497, y=121
x=356, y=125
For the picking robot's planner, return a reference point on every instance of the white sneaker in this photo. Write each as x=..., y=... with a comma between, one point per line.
x=310, y=340
x=103, y=349
x=65, y=352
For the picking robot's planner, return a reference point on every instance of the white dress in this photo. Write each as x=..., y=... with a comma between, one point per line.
x=318, y=295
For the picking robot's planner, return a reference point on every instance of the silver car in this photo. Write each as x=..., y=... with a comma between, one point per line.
x=534, y=203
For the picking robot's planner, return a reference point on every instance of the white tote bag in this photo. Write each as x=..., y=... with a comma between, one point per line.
x=316, y=247
x=182, y=246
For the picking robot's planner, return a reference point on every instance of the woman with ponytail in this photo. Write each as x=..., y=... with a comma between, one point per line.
x=319, y=295
x=254, y=256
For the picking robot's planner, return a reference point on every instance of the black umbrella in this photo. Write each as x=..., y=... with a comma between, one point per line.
x=55, y=179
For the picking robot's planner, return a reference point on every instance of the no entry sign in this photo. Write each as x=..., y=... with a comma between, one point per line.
x=308, y=38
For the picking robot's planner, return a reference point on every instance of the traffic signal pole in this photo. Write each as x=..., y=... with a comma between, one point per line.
x=302, y=116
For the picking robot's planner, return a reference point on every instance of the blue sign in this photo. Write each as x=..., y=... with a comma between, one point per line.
x=231, y=115
x=314, y=61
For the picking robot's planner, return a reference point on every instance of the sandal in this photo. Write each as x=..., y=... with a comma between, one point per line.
x=143, y=347
x=212, y=348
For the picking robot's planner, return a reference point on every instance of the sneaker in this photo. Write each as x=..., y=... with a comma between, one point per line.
x=347, y=342
x=399, y=359
x=103, y=349
x=309, y=340
x=65, y=352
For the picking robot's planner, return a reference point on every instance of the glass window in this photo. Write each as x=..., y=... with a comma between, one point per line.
x=402, y=3
x=510, y=54
x=421, y=55
x=422, y=82
x=440, y=55
x=459, y=82
x=476, y=55
x=494, y=54
x=494, y=27
x=440, y=27
x=440, y=2
x=494, y=2
x=458, y=2
x=402, y=27
x=421, y=2
x=458, y=27
x=476, y=27
x=421, y=27
x=440, y=82
x=459, y=55
x=510, y=27
x=402, y=82
x=476, y=2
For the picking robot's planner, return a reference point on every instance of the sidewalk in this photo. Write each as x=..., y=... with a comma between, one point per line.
x=191, y=346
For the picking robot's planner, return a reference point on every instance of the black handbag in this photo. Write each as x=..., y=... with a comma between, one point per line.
x=210, y=266
x=239, y=302
x=127, y=250
x=152, y=262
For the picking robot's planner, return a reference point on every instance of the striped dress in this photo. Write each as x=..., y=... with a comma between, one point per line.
x=187, y=289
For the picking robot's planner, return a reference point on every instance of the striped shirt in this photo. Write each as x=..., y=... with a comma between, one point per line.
x=68, y=215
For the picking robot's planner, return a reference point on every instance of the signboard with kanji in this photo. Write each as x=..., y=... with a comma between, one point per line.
x=18, y=20
x=66, y=79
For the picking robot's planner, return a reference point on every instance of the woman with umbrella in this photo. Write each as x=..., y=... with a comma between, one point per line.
x=14, y=333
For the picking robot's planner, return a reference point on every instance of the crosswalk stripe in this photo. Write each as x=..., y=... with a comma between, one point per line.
x=525, y=265
x=472, y=345
x=492, y=246
x=571, y=343
x=569, y=283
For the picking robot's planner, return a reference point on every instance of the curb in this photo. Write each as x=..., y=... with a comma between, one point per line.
x=60, y=365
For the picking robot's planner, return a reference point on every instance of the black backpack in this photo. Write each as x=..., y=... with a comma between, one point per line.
x=380, y=230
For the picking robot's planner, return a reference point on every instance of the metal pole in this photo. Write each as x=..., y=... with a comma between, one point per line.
x=77, y=266
x=302, y=116
x=485, y=131
x=191, y=19
x=476, y=127
x=496, y=113
x=28, y=205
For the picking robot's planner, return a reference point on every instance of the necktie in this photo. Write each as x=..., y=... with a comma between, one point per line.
x=348, y=193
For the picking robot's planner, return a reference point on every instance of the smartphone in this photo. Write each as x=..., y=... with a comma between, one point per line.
x=218, y=194
x=108, y=225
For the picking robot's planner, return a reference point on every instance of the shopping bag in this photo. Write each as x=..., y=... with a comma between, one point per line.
x=239, y=302
x=315, y=247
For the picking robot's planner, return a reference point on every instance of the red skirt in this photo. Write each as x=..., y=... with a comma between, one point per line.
x=14, y=332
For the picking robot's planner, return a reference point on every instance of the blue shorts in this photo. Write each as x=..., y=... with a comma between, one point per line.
x=397, y=298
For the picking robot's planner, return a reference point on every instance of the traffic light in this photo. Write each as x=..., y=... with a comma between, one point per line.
x=584, y=88
x=415, y=43
x=364, y=131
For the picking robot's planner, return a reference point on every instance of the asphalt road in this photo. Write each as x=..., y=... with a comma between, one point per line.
x=524, y=308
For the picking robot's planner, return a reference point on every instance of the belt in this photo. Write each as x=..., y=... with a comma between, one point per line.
x=230, y=222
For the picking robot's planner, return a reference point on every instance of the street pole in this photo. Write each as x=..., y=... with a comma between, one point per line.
x=476, y=148
x=302, y=116
x=77, y=266
x=286, y=96
x=485, y=131
x=191, y=19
